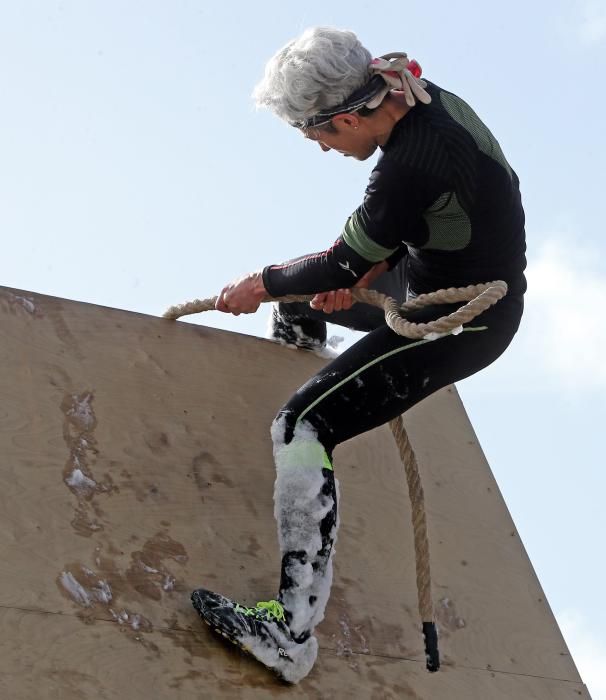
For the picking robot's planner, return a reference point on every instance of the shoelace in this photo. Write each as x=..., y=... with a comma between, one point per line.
x=271, y=608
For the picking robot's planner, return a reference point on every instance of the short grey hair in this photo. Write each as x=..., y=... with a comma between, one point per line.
x=318, y=70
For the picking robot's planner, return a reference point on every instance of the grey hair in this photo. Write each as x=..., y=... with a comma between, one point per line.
x=318, y=70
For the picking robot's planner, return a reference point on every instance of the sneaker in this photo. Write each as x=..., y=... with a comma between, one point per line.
x=307, y=334
x=260, y=631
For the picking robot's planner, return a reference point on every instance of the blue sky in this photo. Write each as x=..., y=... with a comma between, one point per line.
x=137, y=174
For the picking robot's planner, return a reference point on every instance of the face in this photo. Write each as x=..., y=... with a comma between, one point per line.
x=349, y=137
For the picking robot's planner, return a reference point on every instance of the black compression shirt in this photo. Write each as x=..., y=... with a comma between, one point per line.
x=441, y=192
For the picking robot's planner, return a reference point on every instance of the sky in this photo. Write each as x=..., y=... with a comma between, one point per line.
x=136, y=173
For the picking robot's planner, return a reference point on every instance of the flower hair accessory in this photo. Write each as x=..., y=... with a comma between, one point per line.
x=399, y=73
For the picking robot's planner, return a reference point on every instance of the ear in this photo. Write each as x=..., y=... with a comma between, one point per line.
x=346, y=121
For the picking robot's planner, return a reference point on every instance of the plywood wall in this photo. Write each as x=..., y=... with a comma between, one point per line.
x=135, y=465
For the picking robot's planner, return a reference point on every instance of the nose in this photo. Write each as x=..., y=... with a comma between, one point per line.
x=324, y=147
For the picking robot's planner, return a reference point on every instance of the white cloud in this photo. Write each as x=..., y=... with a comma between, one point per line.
x=588, y=651
x=565, y=319
x=592, y=27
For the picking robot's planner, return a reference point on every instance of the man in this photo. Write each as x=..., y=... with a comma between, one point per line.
x=442, y=209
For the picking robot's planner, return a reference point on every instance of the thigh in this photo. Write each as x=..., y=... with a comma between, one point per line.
x=383, y=374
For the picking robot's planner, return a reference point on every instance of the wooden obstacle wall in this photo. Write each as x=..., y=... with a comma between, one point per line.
x=135, y=465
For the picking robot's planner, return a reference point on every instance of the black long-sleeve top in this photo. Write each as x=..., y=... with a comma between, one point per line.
x=441, y=191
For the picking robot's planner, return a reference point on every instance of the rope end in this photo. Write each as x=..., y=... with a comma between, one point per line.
x=432, y=654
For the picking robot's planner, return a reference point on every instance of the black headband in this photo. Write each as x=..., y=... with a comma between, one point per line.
x=355, y=101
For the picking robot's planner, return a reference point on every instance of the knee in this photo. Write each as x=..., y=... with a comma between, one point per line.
x=299, y=447
x=301, y=438
x=286, y=429
x=295, y=324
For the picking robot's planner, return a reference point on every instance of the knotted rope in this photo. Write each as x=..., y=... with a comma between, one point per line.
x=479, y=298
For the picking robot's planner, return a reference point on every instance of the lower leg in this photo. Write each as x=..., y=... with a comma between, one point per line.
x=306, y=512
x=280, y=633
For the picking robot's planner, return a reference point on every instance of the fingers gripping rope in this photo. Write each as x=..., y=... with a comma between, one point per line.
x=479, y=297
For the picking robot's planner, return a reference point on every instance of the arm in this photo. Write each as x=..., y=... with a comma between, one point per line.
x=372, y=237
x=243, y=296
x=341, y=299
x=340, y=266
x=390, y=213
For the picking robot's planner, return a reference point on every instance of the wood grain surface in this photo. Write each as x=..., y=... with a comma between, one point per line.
x=135, y=466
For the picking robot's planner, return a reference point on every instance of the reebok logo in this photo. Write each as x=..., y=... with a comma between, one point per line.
x=282, y=652
x=345, y=266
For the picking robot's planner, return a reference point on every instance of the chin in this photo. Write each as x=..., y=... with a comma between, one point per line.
x=366, y=156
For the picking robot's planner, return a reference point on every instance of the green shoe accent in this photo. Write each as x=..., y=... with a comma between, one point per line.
x=269, y=611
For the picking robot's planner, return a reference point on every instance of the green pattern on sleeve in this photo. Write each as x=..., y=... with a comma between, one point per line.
x=464, y=115
x=357, y=239
x=448, y=224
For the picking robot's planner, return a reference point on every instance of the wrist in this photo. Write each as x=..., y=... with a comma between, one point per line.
x=258, y=286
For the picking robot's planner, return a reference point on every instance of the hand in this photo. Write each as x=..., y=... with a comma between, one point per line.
x=341, y=299
x=243, y=296
x=337, y=300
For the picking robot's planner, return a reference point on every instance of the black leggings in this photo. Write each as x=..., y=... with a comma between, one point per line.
x=384, y=374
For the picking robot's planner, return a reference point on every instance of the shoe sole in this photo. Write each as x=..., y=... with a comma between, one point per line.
x=238, y=644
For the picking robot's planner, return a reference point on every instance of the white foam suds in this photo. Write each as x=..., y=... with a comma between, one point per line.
x=325, y=353
x=80, y=482
x=76, y=590
x=120, y=617
x=334, y=341
x=83, y=411
x=24, y=302
x=301, y=657
x=102, y=592
x=435, y=336
x=133, y=620
x=299, y=508
x=344, y=644
x=449, y=616
x=364, y=644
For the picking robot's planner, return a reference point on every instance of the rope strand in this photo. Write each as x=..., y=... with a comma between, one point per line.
x=479, y=297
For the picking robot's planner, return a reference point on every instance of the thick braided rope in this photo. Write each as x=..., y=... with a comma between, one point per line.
x=479, y=297
x=419, y=522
